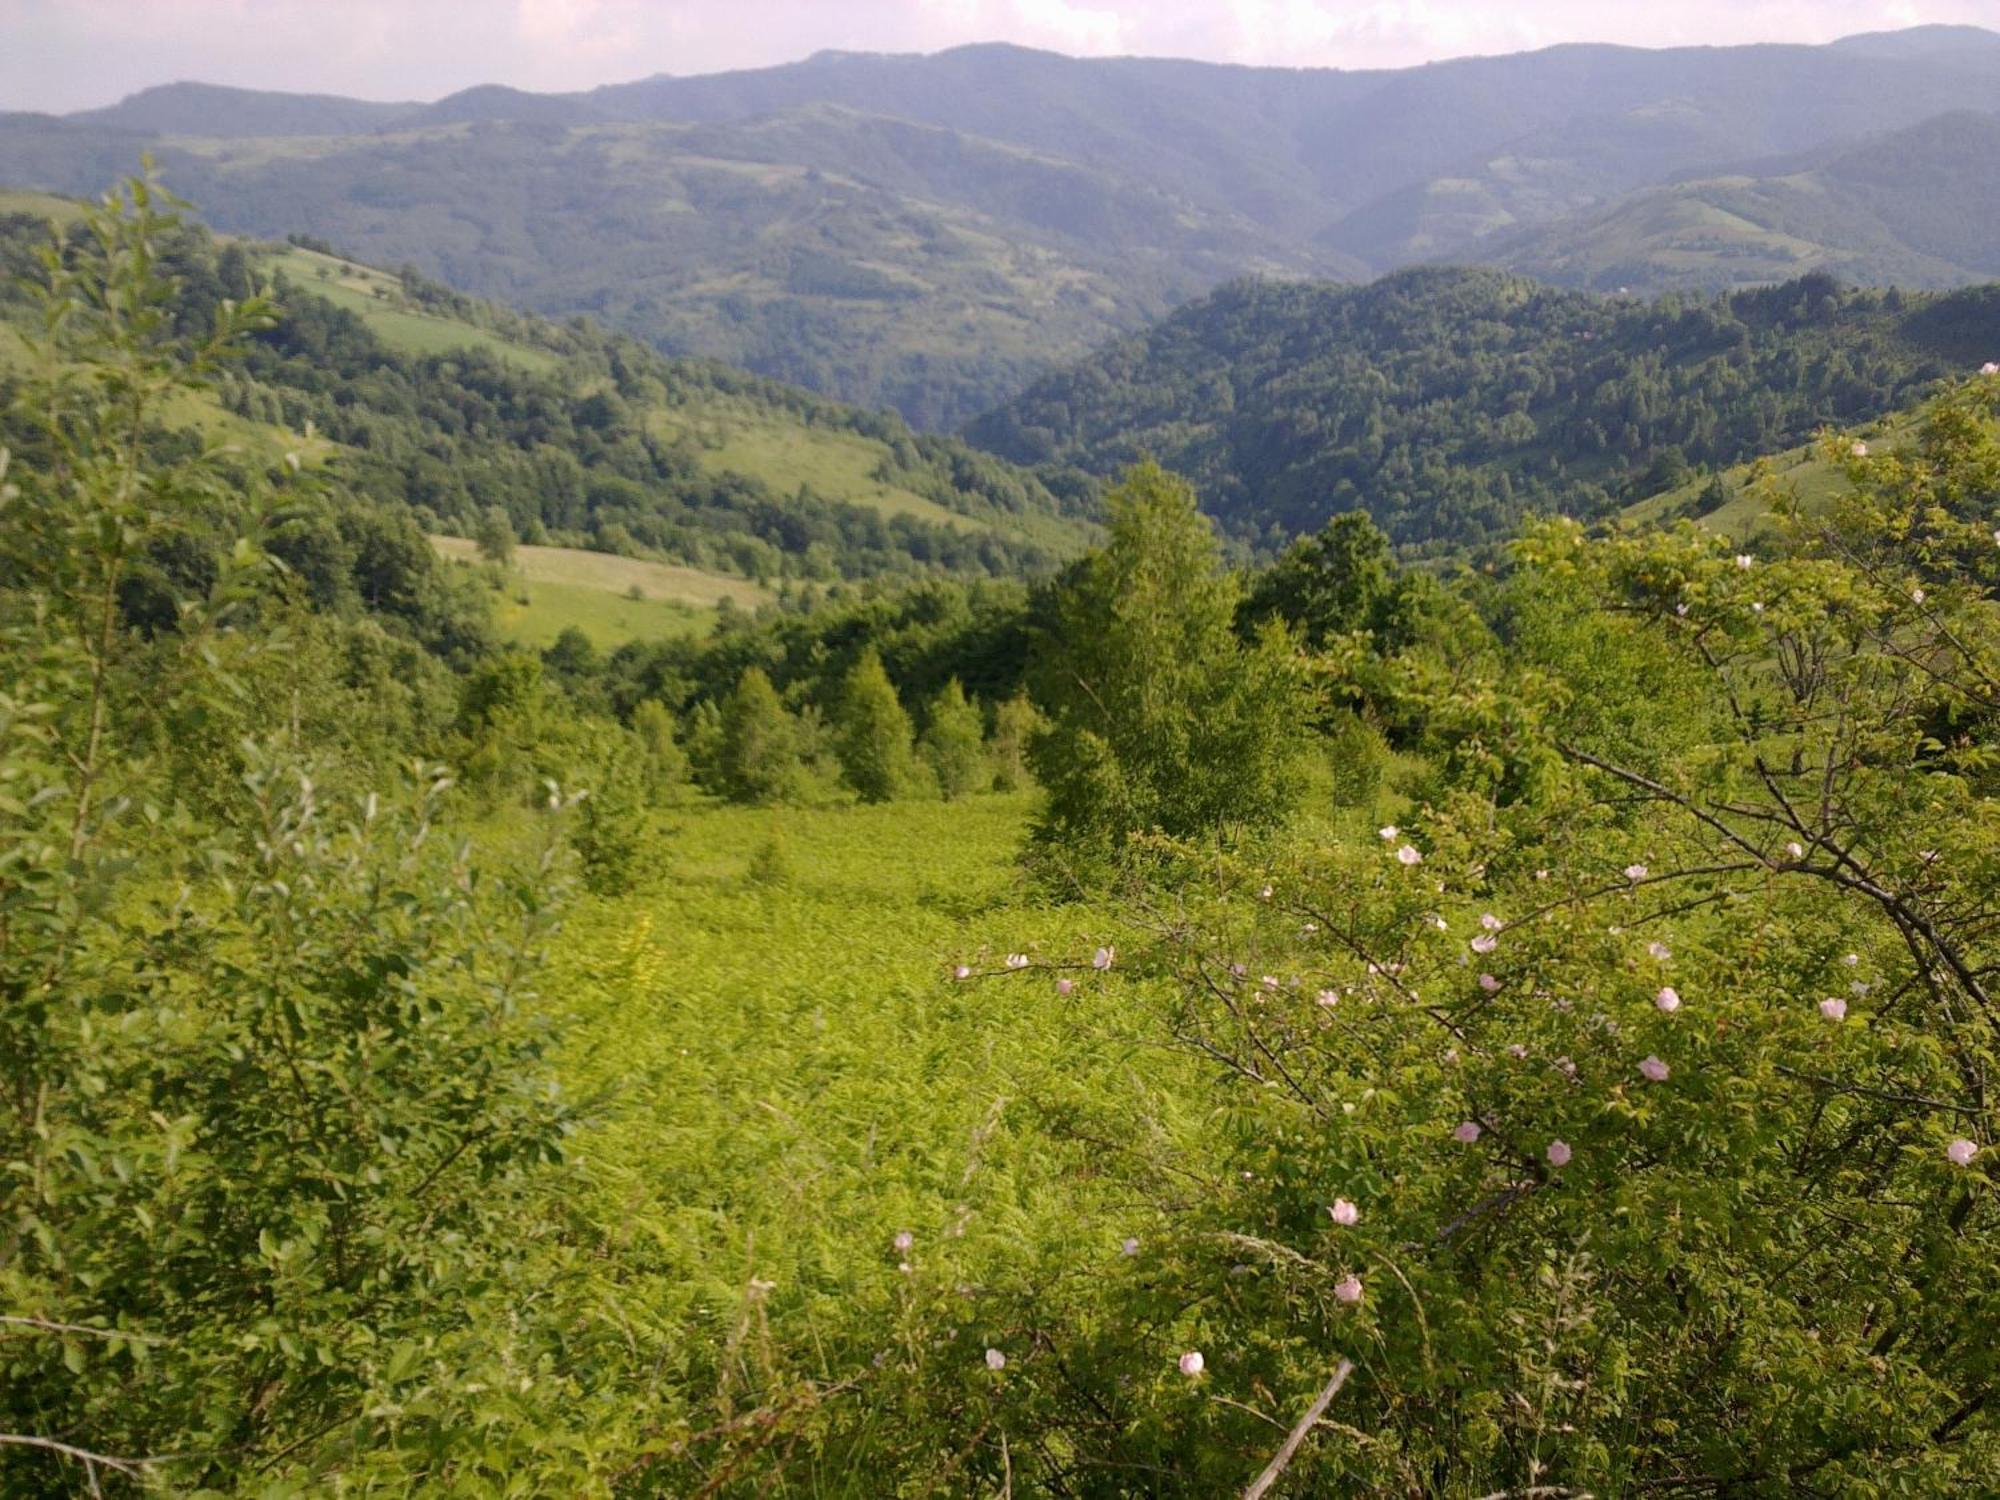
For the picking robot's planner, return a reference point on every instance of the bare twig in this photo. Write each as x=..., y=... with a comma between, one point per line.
x=43, y=1325
x=132, y=1466
x=1283, y=1458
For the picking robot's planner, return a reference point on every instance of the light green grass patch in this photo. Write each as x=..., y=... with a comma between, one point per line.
x=377, y=298
x=1803, y=473
x=838, y=466
x=610, y=620
x=566, y=586
x=40, y=205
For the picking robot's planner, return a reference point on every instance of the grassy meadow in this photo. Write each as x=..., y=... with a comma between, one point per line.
x=789, y=1077
x=377, y=297
x=610, y=599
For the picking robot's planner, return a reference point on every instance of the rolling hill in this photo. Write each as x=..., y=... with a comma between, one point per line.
x=1916, y=207
x=933, y=232
x=448, y=408
x=1448, y=403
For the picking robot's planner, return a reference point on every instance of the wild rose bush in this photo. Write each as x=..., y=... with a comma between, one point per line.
x=1623, y=1116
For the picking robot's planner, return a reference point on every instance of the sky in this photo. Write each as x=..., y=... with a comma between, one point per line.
x=60, y=55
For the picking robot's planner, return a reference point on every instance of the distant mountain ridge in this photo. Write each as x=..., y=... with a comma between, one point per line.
x=1917, y=207
x=934, y=231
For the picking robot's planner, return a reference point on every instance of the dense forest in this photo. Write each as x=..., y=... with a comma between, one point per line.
x=1448, y=404
x=1157, y=1028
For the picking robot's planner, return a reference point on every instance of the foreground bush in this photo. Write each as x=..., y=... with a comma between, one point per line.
x=270, y=1098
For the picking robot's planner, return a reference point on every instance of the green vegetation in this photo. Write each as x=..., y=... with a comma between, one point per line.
x=583, y=440
x=613, y=600
x=380, y=301
x=1450, y=404
x=872, y=734
x=1536, y=1016
x=952, y=745
x=1162, y=719
x=1913, y=209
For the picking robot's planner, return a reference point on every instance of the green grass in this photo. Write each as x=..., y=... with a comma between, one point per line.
x=796, y=1078
x=591, y=591
x=41, y=205
x=735, y=438
x=1802, y=472
x=377, y=298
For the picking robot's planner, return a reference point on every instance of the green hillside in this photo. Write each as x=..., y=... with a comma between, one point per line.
x=612, y=600
x=380, y=301
x=1915, y=209
x=448, y=406
x=1449, y=404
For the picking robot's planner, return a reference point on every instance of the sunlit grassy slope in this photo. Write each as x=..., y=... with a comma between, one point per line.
x=594, y=592
x=742, y=438
x=730, y=434
x=795, y=1079
x=378, y=298
x=1804, y=473
x=39, y=205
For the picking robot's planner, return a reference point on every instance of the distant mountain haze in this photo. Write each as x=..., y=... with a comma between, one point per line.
x=933, y=232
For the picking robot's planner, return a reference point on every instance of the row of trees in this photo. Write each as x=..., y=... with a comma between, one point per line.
x=751, y=748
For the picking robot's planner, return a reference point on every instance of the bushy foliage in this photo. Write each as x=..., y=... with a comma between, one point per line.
x=1159, y=716
x=953, y=745
x=872, y=736
x=270, y=1091
x=1621, y=1115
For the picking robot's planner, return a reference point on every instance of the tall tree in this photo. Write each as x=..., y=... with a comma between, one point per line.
x=953, y=746
x=872, y=735
x=1162, y=717
x=758, y=758
x=1015, y=725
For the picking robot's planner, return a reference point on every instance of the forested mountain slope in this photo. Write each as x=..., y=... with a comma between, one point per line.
x=932, y=232
x=448, y=408
x=1449, y=403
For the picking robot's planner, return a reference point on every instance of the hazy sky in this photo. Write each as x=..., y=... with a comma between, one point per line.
x=71, y=54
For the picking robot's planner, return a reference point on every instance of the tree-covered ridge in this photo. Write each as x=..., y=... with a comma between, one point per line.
x=1450, y=403
x=580, y=437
